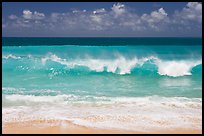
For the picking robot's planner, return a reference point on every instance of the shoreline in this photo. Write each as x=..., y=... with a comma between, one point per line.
x=42, y=127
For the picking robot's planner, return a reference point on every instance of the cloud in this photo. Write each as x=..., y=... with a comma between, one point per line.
x=96, y=18
x=118, y=9
x=116, y=20
x=12, y=17
x=27, y=14
x=192, y=12
x=98, y=11
x=38, y=15
x=155, y=16
x=156, y=19
x=159, y=15
x=78, y=11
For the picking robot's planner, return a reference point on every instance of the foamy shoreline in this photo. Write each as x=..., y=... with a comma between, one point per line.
x=136, y=114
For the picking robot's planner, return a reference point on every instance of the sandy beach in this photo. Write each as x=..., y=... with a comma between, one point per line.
x=67, y=127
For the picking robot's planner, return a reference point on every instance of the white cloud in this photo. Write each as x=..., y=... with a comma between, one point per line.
x=38, y=15
x=100, y=22
x=156, y=19
x=22, y=24
x=78, y=11
x=75, y=11
x=98, y=11
x=96, y=18
x=155, y=16
x=54, y=17
x=159, y=15
x=27, y=14
x=12, y=17
x=118, y=9
x=192, y=12
x=195, y=5
x=117, y=19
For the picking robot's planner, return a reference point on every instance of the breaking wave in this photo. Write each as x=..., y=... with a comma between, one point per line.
x=10, y=56
x=119, y=65
x=122, y=66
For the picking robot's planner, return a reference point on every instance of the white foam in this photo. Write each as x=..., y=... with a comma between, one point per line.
x=31, y=99
x=12, y=89
x=119, y=65
x=10, y=56
x=141, y=114
x=176, y=68
x=97, y=65
x=122, y=65
x=53, y=57
x=67, y=97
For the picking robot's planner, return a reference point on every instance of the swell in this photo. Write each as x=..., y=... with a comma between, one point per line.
x=119, y=65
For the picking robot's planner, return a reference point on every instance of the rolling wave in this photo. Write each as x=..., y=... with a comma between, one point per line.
x=122, y=66
x=119, y=65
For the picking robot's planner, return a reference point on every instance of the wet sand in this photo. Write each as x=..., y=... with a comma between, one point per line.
x=67, y=127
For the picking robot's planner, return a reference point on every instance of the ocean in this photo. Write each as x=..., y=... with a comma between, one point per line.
x=120, y=83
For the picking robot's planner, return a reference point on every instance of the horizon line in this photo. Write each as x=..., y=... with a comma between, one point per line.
x=107, y=37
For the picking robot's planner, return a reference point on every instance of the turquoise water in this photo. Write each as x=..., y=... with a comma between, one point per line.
x=112, y=71
x=125, y=83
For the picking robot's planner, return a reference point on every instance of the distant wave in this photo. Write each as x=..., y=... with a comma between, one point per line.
x=10, y=56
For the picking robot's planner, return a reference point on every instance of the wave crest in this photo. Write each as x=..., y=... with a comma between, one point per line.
x=10, y=56
x=123, y=66
x=176, y=68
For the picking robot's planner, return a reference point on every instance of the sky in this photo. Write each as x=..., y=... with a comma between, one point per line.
x=101, y=19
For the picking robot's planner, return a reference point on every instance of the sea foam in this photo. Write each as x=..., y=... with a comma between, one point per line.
x=10, y=56
x=118, y=112
x=122, y=65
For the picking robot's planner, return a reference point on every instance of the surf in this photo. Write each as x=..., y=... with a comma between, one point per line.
x=123, y=66
x=120, y=65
